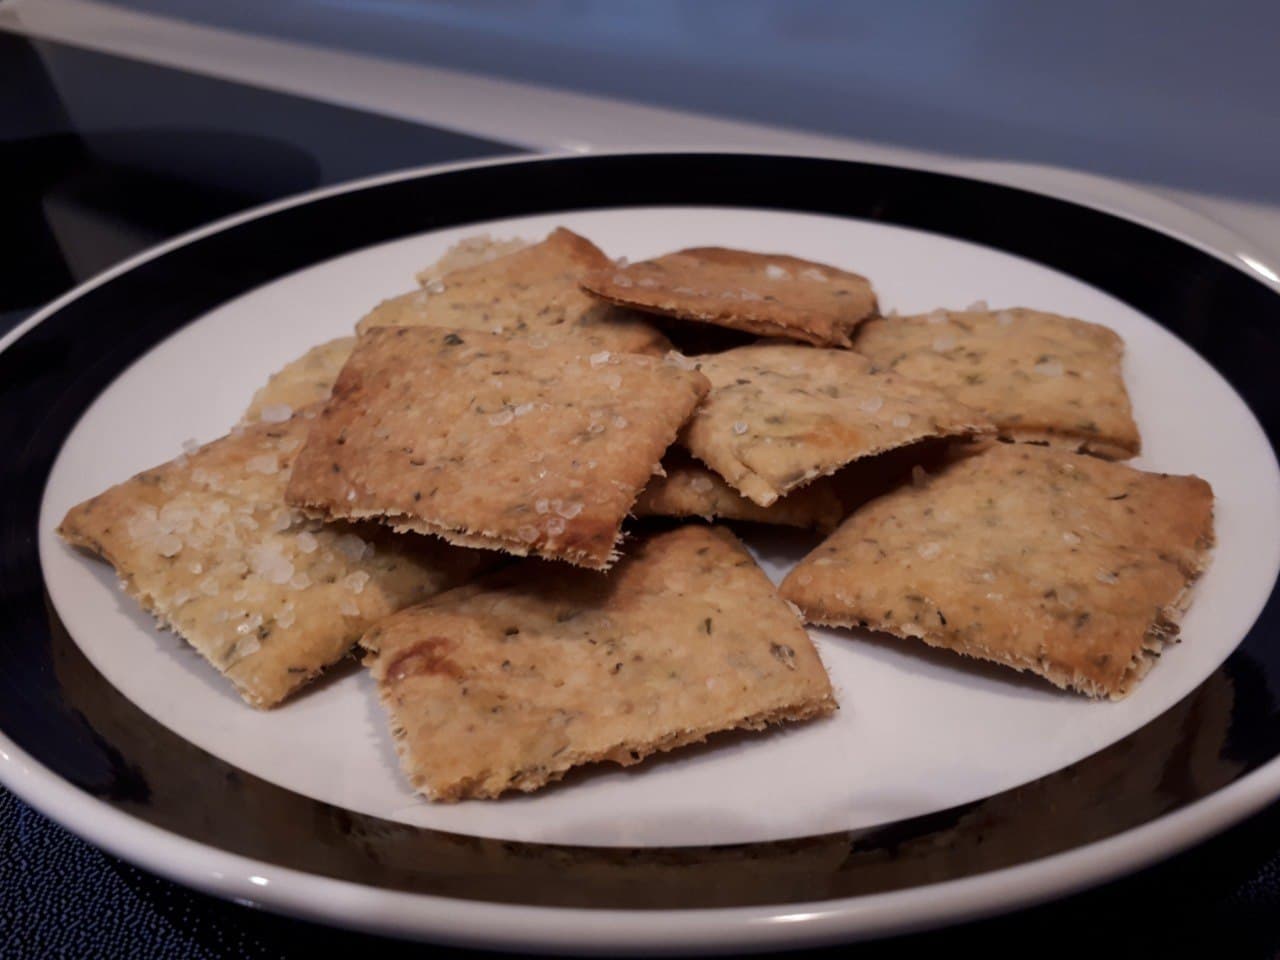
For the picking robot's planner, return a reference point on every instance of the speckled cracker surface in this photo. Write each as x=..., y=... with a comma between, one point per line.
x=689, y=489
x=533, y=292
x=768, y=294
x=207, y=545
x=1067, y=566
x=302, y=383
x=509, y=682
x=1039, y=376
x=780, y=415
x=470, y=252
x=490, y=441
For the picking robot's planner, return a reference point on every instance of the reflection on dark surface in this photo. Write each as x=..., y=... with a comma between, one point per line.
x=102, y=157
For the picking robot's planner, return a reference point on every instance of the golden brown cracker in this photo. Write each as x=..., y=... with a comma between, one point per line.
x=533, y=292
x=769, y=294
x=1038, y=376
x=492, y=441
x=302, y=383
x=780, y=415
x=270, y=598
x=510, y=682
x=688, y=489
x=1070, y=567
x=470, y=252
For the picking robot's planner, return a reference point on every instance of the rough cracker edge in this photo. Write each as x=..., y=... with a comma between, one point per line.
x=148, y=602
x=757, y=325
x=1163, y=631
x=625, y=754
x=971, y=431
x=1101, y=447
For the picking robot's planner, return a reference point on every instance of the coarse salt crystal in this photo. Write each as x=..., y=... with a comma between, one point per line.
x=276, y=413
x=944, y=343
x=1106, y=576
x=749, y=295
x=929, y=550
x=266, y=561
x=300, y=581
x=701, y=484
x=978, y=305
x=601, y=358
x=901, y=420
x=936, y=317
x=196, y=567
x=871, y=404
x=620, y=422
x=502, y=418
x=612, y=380
x=677, y=359
x=283, y=521
x=540, y=505
x=355, y=582
x=1049, y=368
x=522, y=409
x=596, y=427
x=1070, y=537
x=555, y=526
x=527, y=534
x=182, y=596
x=435, y=286
x=351, y=546
x=208, y=586
x=988, y=576
x=1004, y=318
x=621, y=280
x=739, y=428
x=814, y=274
x=775, y=272
x=538, y=342
x=348, y=607
x=307, y=542
x=190, y=445
x=286, y=618
x=264, y=463
x=169, y=545
x=569, y=510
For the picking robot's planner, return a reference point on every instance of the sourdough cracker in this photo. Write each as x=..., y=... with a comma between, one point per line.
x=1039, y=376
x=494, y=442
x=508, y=683
x=1070, y=567
x=301, y=383
x=769, y=294
x=780, y=415
x=688, y=489
x=533, y=292
x=206, y=544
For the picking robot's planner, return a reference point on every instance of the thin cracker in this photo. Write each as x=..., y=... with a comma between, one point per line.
x=207, y=545
x=769, y=294
x=489, y=441
x=780, y=415
x=301, y=383
x=510, y=682
x=1070, y=567
x=1039, y=376
x=688, y=489
x=533, y=292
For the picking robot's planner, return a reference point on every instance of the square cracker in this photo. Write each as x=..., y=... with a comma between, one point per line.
x=779, y=415
x=1040, y=377
x=490, y=441
x=688, y=489
x=207, y=545
x=769, y=294
x=532, y=292
x=301, y=383
x=1071, y=567
x=508, y=683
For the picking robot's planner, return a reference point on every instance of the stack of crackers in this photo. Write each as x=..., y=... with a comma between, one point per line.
x=526, y=401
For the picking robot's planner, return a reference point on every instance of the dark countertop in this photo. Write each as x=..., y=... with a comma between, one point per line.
x=145, y=153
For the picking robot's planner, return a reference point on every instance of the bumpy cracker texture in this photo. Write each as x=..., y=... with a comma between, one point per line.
x=780, y=415
x=302, y=383
x=489, y=441
x=533, y=292
x=769, y=294
x=207, y=545
x=508, y=683
x=1067, y=566
x=691, y=490
x=1039, y=376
